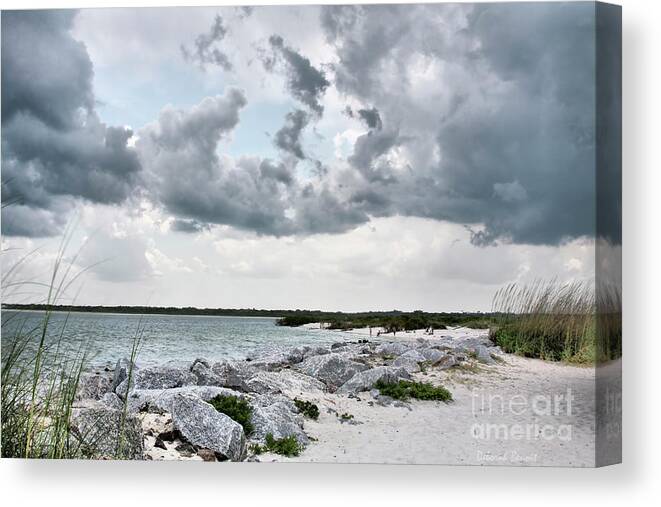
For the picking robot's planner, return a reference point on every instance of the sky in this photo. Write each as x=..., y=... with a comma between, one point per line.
x=332, y=157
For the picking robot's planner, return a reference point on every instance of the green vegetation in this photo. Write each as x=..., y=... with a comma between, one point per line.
x=307, y=408
x=557, y=322
x=235, y=408
x=346, y=416
x=405, y=389
x=41, y=373
x=392, y=322
x=287, y=446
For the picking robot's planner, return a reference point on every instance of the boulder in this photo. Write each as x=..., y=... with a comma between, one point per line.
x=276, y=415
x=414, y=355
x=410, y=361
x=410, y=365
x=113, y=401
x=483, y=354
x=431, y=355
x=160, y=401
x=287, y=382
x=315, y=351
x=104, y=432
x=93, y=386
x=157, y=377
x=392, y=349
x=332, y=369
x=365, y=380
x=446, y=362
x=121, y=372
x=271, y=362
x=203, y=426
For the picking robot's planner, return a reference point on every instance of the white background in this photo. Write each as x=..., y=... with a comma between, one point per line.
x=635, y=482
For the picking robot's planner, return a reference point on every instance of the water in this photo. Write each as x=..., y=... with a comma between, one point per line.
x=166, y=338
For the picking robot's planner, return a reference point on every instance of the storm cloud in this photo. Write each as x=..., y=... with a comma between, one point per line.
x=288, y=138
x=305, y=82
x=54, y=147
x=480, y=115
x=496, y=111
x=185, y=174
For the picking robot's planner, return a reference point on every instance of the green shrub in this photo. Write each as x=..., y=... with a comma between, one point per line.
x=307, y=408
x=237, y=409
x=405, y=389
x=346, y=416
x=287, y=446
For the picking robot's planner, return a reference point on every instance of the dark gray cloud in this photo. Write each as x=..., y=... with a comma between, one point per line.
x=508, y=139
x=188, y=226
x=305, y=82
x=206, y=48
x=288, y=138
x=479, y=114
x=185, y=175
x=54, y=147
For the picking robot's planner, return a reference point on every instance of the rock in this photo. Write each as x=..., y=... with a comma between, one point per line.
x=483, y=355
x=332, y=369
x=446, y=362
x=410, y=361
x=121, y=372
x=409, y=364
x=93, y=386
x=288, y=382
x=161, y=400
x=204, y=375
x=315, y=351
x=233, y=374
x=230, y=374
x=103, y=432
x=276, y=415
x=337, y=345
x=431, y=355
x=160, y=444
x=200, y=360
x=157, y=377
x=365, y=380
x=295, y=355
x=272, y=362
x=392, y=349
x=414, y=355
x=207, y=454
x=112, y=400
x=202, y=425
x=185, y=449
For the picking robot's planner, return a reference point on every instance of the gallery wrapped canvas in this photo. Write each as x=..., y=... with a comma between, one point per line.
x=347, y=234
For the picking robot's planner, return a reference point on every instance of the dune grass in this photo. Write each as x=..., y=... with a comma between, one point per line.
x=42, y=369
x=556, y=321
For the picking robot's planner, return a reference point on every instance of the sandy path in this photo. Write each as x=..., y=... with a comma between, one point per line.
x=491, y=421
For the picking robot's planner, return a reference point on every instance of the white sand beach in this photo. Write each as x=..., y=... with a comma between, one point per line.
x=439, y=433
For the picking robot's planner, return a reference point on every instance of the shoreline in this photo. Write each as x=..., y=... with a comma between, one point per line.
x=358, y=424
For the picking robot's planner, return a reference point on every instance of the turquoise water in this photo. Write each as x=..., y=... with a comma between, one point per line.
x=165, y=338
